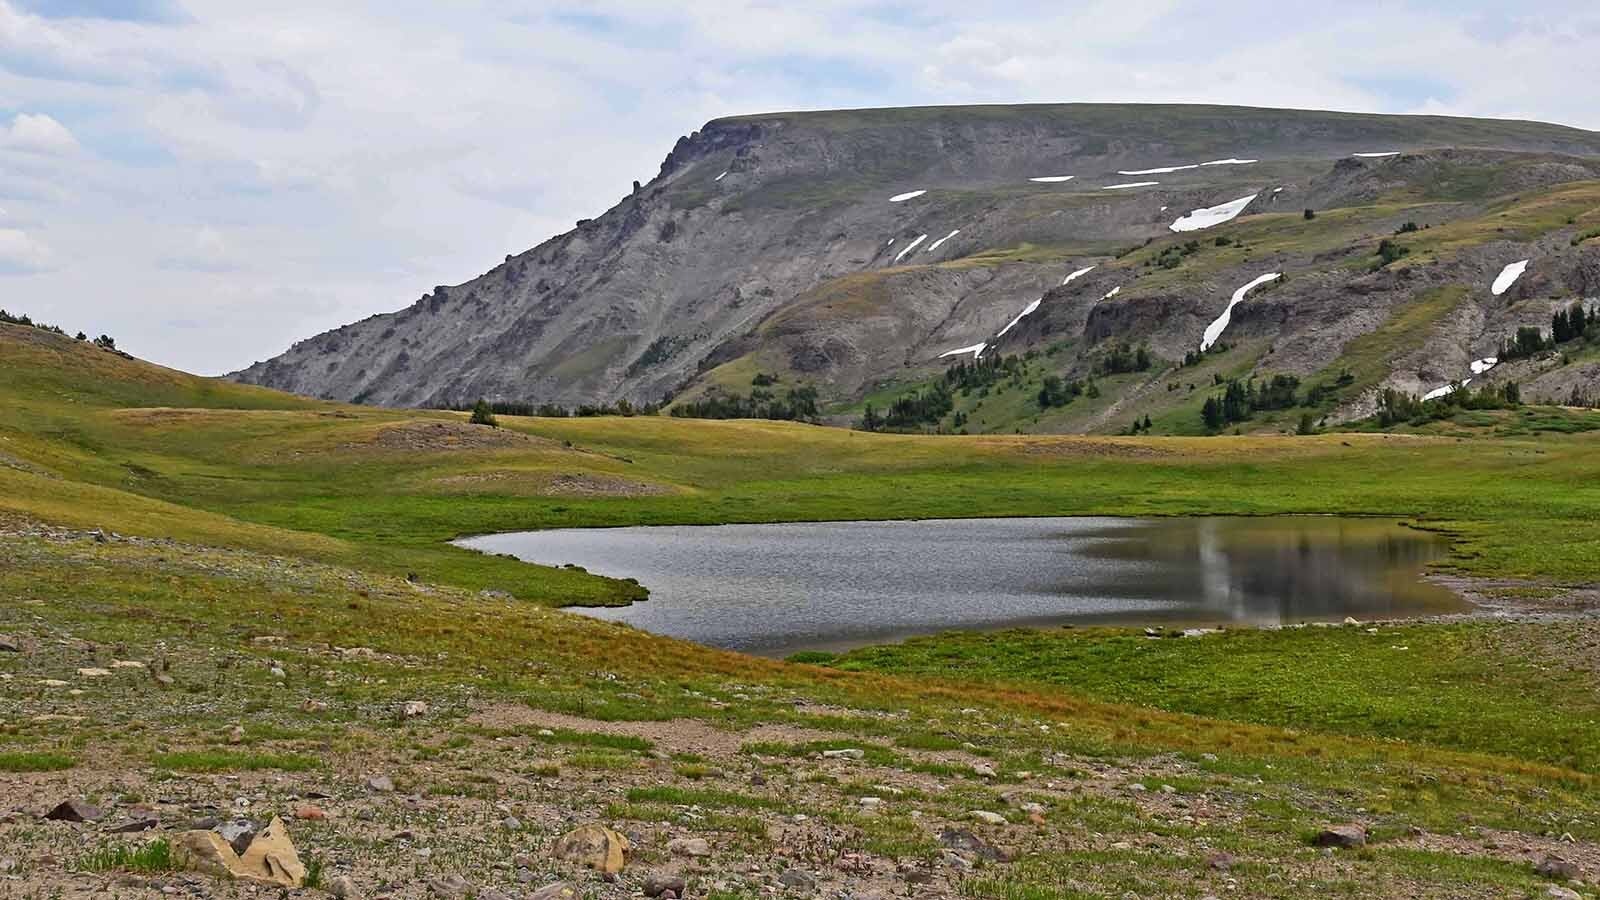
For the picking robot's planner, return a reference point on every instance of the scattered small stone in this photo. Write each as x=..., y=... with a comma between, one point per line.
x=871, y=802
x=414, y=708
x=846, y=753
x=511, y=823
x=1557, y=892
x=75, y=811
x=238, y=833
x=984, y=770
x=1344, y=836
x=1221, y=861
x=452, y=887
x=758, y=779
x=1557, y=868
x=9, y=865
x=692, y=847
x=960, y=839
x=236, y=734
x=9, y=644
x=657, y=885
x=561, y=890
x=343, y=887
x=94, y=672
x=279, y=673
x=798, y=880
x=311, y=813
x=382, y=784
x=988, y=818
x=132, y=824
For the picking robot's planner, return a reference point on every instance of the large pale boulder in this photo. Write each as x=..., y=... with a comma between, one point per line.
x=593, y=847
x=270, y=859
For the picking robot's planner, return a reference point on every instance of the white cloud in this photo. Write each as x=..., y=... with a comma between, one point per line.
x=37, y=133
x=21, y=254
x=205, y=251
x=371, y=150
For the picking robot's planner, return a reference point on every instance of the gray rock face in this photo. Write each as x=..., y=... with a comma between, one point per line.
x=770, y=242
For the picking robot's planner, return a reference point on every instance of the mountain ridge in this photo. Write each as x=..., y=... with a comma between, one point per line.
x=763, y=239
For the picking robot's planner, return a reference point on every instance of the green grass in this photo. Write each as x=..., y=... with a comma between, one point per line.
x=224, y=761
x=43, y=761
x=1459, y=686
x=156, y=856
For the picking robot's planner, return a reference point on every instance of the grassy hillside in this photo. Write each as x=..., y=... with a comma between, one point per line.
x=258, y=580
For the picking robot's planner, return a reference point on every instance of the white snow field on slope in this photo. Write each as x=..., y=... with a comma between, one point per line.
x=1508, y=276
x=1112, y=293
x=1131, y=184
x=1231, y=161
x=1220, y=324
x=976, y=350
x=1450, y=388
x=910, y=247
x=1376, y=155
x=1480, y=366
x=720, y=177
x=1052, y=179
x=1213, y=215
x=935, y=245
x=1074, y=276
x=908, y=195
x=1025, y=311
x=1164, y=170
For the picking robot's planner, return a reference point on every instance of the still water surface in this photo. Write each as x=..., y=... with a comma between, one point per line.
x=778, y=589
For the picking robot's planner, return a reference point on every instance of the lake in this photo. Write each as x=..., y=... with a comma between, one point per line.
x=778, y=589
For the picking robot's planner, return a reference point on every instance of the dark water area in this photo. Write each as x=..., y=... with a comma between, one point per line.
x=779, y=589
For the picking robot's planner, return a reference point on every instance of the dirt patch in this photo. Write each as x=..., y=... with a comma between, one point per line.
x=424, y=436
x=1079, y=447
x=672, y=735
x=551, y=484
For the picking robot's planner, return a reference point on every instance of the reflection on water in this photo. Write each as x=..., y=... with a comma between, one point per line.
x=783, y=588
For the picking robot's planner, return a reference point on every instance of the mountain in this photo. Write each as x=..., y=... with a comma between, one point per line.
x=851, y=250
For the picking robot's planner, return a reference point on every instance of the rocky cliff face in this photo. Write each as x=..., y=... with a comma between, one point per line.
x=783, y=243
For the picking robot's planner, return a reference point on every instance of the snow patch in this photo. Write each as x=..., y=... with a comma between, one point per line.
x=1131, y=184
x=1220, y=324
x=910, y=247
x=1448, y=389
x=1025, y=311
x=1213, y=215
x=935, y=245
x=908, y=195
x=1112, y=293
x=720, y=177
x=1074, y=276
x=1480, y=366
x=976, y=350
x=1230, y=161
x=1379, y=155
x=1277, y=190
x=1164, y=170
x=1508, y=276
x=1052, y=179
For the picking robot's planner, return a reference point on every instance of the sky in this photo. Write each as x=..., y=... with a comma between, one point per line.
x=209, y=181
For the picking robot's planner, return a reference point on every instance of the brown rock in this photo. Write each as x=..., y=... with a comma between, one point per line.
x=593, y=847
x=1346, y=836
x=75, y=811
x=272, y=854
x=1557, y=868
x=311, y=813
x=205, y=852
x=561, y=890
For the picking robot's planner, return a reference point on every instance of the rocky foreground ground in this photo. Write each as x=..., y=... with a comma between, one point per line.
x=409, y=775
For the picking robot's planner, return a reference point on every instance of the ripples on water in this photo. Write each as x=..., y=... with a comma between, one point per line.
x=777, y=589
